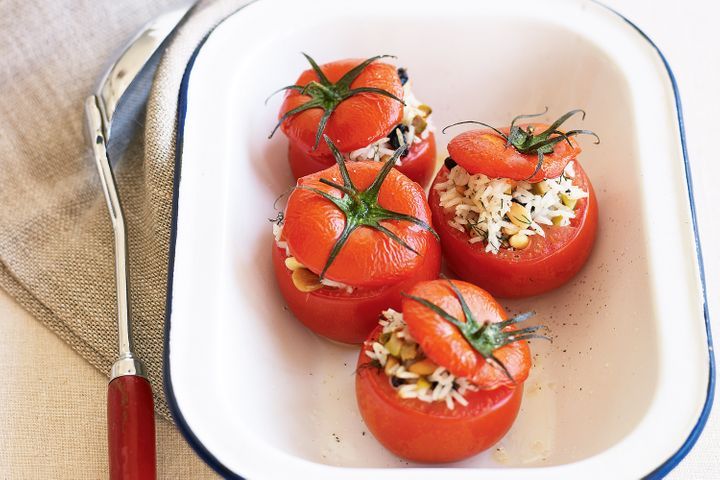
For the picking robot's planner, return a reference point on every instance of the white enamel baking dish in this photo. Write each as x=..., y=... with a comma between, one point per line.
x=626, y=387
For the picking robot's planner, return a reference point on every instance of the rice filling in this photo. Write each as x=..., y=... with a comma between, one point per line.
x=493, y=210
x=409, y=371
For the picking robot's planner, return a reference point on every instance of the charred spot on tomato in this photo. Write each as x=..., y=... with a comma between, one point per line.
x=450, y=163
x=394, y=136
x=373, y=364
x=402, y=75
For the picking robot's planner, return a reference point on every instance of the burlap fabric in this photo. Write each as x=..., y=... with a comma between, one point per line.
x=56, y=248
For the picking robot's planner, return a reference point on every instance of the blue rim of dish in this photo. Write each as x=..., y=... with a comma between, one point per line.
x=202, y=451
x=689, y=442
x=182, y=424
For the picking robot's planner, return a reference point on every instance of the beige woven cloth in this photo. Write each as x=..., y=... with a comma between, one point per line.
x=56, y=249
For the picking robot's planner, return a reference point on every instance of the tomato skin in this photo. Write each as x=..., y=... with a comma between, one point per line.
x=347, y=317
x=484, y=151
x=369, y=258
x=303, y=164
x=443, y=343
x=356, y=122
x=430, y=432
x=418, y=165
x=543, y=266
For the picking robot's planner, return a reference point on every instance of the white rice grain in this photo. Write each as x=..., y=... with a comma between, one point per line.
x=481, y=209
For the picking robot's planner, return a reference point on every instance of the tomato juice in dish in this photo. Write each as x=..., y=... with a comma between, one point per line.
x=516, y=220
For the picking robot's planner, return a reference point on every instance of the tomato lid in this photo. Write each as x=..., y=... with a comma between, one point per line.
x=361, y=224
x=488, y=349
x=528, y=151
x=354, y=102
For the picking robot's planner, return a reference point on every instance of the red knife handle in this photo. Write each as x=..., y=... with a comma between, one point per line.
x=131, y=428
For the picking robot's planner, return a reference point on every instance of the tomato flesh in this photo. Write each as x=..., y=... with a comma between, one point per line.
x=418, y=165
x=544, y=265
x=430, y=432
x=347, y=317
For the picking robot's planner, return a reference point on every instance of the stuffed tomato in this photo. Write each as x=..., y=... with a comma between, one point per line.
x=368, y=110
x=352, y=238
x=443, y=380
x=516, y=212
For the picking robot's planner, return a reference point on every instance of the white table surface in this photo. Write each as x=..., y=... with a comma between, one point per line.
x=684, y=31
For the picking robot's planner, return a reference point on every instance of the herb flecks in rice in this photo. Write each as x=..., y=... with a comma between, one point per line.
x=436, y=386
x=482, y=205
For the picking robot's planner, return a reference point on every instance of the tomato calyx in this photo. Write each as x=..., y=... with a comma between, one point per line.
x=528, y=142
x=361, y=207
x=485, y=337
x=327, y=95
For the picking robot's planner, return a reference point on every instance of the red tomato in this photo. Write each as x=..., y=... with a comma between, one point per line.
x=443, y=343
x=430, y=432
x=356, y=122
x=347, y=317
x=377, y=266
x=484, y=151
x=544, y=265
x=418, y=165
x=369, y=258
